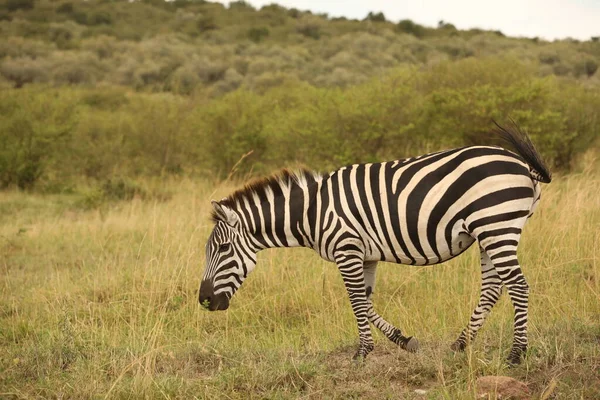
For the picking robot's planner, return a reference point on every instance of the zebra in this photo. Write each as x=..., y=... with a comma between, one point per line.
x=418, y=211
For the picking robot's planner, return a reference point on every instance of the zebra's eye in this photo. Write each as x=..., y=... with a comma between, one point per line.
x=224, y=247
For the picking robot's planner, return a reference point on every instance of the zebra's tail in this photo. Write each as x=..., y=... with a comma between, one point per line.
x=522, y=144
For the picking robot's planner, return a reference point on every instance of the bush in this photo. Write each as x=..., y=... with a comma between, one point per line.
x=375, y=17
x=241, y=5
x=59, y=135
x=273, y=14
x=258, y=34
x=231, y=81
x=63, y=34
x=14, y=5
x=294, y=13
x=409, y=27
x=37, y=125
x=25, y=70
x=83, y=68
x=586, y=67
x=549, y=58
x=309, y=27
x=99, y=18
x=206, y=23
x=65, y=8
x=80, y=17
x=230, y=128
x=184, y=80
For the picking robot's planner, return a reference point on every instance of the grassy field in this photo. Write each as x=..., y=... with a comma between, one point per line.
x=103, y=303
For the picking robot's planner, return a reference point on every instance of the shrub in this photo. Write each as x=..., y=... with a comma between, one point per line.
x=14, y=5
x=65, y=8
x=106, y=99
x=241, y=5
x=25, y=70
x=184, y=80
x=273, y=14
x=447, y=29
x=206, y=23
x=258, y=34
x=549, y=58
x=82, y=68
x=561, y=69
x=231, y=81
x=407, y=26
x=62, y=34
x=586, y=67
x=294, y=13
x=17, y=47
x=231, y=127
x=80, y=17
x=99, y=18
x=309, y=27
x=37, y=124
x=375, y=17
x=455, y=48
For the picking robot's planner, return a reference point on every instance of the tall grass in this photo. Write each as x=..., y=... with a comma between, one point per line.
x=103, y=303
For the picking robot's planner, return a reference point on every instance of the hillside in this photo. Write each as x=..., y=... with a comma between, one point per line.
x=186, y=46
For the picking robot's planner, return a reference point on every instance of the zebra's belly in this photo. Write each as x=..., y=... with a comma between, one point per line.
x=459, y=242
x=458, y=245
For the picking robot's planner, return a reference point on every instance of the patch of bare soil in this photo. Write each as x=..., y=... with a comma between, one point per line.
x=387, y=372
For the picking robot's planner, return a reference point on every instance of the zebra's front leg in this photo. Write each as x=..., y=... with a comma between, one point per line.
x=491, y=289
x=390, y=331
x=351, y=268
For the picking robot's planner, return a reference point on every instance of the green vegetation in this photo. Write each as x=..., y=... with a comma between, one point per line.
x=101, y=90
x=105, y=302
x=57, y=138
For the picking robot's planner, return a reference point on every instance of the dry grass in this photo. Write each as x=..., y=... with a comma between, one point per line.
x=104, y=304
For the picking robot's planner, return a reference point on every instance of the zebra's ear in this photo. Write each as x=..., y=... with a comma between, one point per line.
x=223, y=213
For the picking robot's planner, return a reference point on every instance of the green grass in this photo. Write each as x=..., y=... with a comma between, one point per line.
x=103, y=303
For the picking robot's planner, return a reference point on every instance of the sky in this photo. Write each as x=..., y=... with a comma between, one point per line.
x=546, y=19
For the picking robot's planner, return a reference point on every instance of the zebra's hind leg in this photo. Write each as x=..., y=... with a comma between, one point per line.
x=500, y=245
x=507, y=265
x=390, y=331
x=491, y=289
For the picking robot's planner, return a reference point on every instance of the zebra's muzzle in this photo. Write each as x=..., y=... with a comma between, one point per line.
x=211, y=301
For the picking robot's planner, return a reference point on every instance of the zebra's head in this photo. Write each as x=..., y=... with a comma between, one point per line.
x=229, y=259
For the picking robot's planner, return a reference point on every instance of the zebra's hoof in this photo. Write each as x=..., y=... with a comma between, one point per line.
x=458, y=346
x=359, y=356
x=517, y=354
x=362, y=352
x=513, y=360
x=411, y=345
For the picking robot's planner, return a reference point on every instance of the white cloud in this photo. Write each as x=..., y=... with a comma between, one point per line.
x=548, y=19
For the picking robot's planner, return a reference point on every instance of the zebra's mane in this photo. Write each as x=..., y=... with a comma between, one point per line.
x=283, y=178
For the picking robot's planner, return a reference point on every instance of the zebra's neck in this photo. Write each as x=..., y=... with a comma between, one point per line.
x=278, y=211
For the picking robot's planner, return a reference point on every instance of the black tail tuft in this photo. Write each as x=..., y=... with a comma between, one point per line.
x=525, y=148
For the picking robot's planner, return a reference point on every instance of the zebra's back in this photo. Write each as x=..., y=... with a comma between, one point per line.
x=429, y=209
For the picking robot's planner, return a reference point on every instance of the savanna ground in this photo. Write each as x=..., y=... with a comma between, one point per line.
x=103, y=303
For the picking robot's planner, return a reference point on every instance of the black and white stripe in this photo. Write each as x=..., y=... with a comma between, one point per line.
x=419, y=211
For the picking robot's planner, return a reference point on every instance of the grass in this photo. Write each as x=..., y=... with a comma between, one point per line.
x=102, y=303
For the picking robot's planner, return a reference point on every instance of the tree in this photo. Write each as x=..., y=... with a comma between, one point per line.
x=375, y=17
x=407, y=26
